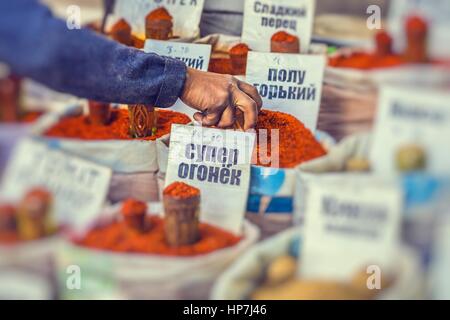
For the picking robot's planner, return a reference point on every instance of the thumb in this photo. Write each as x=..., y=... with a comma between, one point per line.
x=209, y=119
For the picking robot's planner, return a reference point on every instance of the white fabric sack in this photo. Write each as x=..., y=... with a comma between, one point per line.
x=186, y=17
x=350, y=96
x=354, y=146
x=333, y=163
x=243, y=276
x=133, y=162
x=27, y=270
x=111, y=275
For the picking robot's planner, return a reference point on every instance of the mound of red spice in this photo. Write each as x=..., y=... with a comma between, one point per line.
x=240, y=49
x=181, y=190
x=31, y=116
x=9, y=238
x=283, y=36
x=133, y=207
x=416, y=24
x=79, y=127
x=118, y=238
x=160, y=13
x=296, y=143
x=366, y=61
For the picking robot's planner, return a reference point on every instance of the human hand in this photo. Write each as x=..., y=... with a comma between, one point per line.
x=218, y=97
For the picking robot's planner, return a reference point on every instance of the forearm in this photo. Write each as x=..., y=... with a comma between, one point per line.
x=79, y=62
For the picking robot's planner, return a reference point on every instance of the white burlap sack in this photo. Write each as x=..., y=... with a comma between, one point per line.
x=420, y=190
x=133, y=162
x=350, y=96
x=109, y=275
x=186, y=16
x=27, y=270
x=333, y=163
x=239, y=280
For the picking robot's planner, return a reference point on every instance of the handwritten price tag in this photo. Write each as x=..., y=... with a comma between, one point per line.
x=290, y=83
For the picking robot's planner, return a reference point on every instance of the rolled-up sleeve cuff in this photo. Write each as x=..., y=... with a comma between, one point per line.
x=173, y=83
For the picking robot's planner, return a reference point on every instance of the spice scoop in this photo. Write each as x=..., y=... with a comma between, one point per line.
x=134, y=213
x=143, y=119
x=417, y=40
x=383, y=41
x=121, y=32
x=99, y=113
x=283, y=42
x=238, y=55
x=158, y=24
x=182, y=211
x=9, y=100
x=34, y=220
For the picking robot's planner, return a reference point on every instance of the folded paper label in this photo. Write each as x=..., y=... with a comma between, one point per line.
x=290, y=83
x=186, y=14
x=411, y=117
x=218, y=163
x=79, y=187
x=263, y=18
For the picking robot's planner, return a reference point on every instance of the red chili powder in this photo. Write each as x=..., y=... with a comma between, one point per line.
x=383, y=37
x=296, y=143
x=117, y=237
x=220, y=65
x=121, y=25
x=31, y=117
x=383, y=41
x=159, y=14
x=283, y=36
x=416, y=25
x=381, y=58
x=40, y=193
x=79, y=127
x=366, y=61
x=181, y=190
x=240, y=49
x=133, y=207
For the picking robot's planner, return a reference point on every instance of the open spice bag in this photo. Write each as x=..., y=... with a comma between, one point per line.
x=133, y=161
x=125, y=274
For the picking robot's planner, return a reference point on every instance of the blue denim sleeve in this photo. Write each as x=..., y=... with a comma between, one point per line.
x=39, y=46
